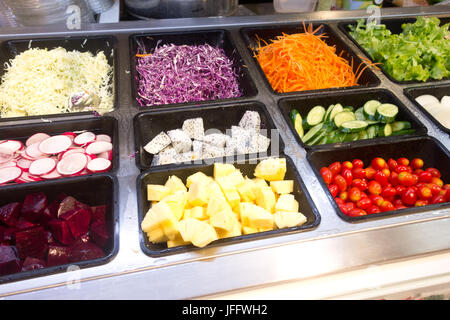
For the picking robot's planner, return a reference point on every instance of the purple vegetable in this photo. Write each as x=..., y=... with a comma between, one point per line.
x=178, y=74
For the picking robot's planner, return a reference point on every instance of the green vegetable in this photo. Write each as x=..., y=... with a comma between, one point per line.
x=312, y=133
x=386, y=113
x=342, y=117
x=418, y=53
x=370, y=108
x=336, y=109
x=315, y=115
x=400, y=125
x=359, y=114
x=298, y=125
x=353, y=126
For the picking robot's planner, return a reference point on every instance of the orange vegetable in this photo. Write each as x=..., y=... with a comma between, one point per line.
x=303, y=61
x=143, y=55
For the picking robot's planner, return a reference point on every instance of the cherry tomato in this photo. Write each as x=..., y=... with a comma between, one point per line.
x=350, y=205
x=388, y=192
x=401, y=168
x=421, y=203
x=333, y=190
x=406, y=179
x=359, y=173
x=425, y=176
x=403, y=162
x=378, y=163
x=409, y=197
x=435, y=189
x=373, y=209
x=397, y=202
x=326, y=174
x=400, y=207
x=434, y=172
x=339, y=201
x=438, y=199
x=357, y=163
x=346, y=165
x=357, y=212
x=374, y=187
x=386, y=206
x=386, y=171
x=354, y=194
x=400, y=189
x=417, y=163
x=348, y=176
x=381, y=178
x=437, y=181
x=447, y=195
x=335, y=168
x=343, y=195
x=364, y=203
x=418, y=171
x=370, y=172
x=394, y=178
x=340, y=182
x=392, y=164
x=363, y=195
x=361, y=184
x=344, y=208
x=424, y=193
x=376, y=199
x=446, y=186
x=415, y=178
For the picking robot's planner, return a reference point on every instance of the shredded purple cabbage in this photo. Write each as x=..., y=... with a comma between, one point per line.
x=178, y=74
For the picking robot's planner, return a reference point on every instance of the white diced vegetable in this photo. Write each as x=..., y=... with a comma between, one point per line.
x=194, y=128
x=180, y=140
x=158, y=143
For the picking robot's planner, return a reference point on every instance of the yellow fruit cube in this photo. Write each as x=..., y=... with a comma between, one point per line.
x=178, y=241
x=233, y=198
x=215, y=191
x=167, y=220
x=157, y=236
x=217, y=205
x=177, y=203
x=150, y=221
x=200, y=233
x=198, y=213
x=235, y=231
x=255, y=216
x=286, y=202
x=155, y=192
x=272, y=169
x=245, y=190
x=187, y=228
x=235, y=177
x=229, y=191
x=175, y=184
x=260, y=182
x=282, y=187
x=265, y=198
x=286, y=219
x=198, y=177
x=224, y=220
x=249, y=230
x=222, y=169
x=198, y=194
x=187, y=214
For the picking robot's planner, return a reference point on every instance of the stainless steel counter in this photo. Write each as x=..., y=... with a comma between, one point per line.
x=334, y=246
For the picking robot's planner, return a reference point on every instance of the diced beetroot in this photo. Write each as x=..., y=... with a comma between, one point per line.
x=10, y=212
x=99, y=213
x=70, y=204
x=33, y=206
x=58, y=255
x=85, y=237
x=99, y=233
x=85, y=251
x=61, y=232
x=23, y=224
x=9, y=235
x=61, y=196
x=31, y=263
x=78, y=221
x=31, y=242
x=46, y=216
x=9, y=262
x=50, y=239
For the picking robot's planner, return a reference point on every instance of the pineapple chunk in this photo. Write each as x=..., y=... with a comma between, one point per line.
x=177, y=203
x=198, y=213
x=282, y=187
x=233, y=198
x=236, y=177
x=224, y=220
x=246, y=190
x=215, y=191
x=155, y=192
x=187, y=214
x=200, y=233
x=249, y=230
x=287, y=202
x=175, y=184
x=150, y=221
x=217, y=205
x=198, y=194
x=272, y=169
x=235, y=231
x=178, y=241
x=265, y=198
x=157, y=236
x=167, y=220
x=229, y=191
x=285, y=219
x=198, y=177
x=260, y=182
x=222, y=169
x=255, y=216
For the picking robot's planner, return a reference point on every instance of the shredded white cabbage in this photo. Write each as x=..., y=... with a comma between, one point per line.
x=41, y=81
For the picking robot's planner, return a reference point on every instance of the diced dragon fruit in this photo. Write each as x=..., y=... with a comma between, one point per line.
x=61, y=232
x=99, y=233
x=33, y=206
x=99, y=213
x=9, y=262
x=10, y=212
x=58, y=255
x=31, y=263
x=85, y=251
x=31, y=242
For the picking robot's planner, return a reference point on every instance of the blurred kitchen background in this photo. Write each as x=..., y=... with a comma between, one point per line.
x=14, y=13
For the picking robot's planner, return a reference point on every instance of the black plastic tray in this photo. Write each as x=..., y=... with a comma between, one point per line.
x=93, y=190
x=94, y=44
x=251, y=36
x=430, y=150
x=438, y=91
x=214, y=37
x=395, y=26
x=355, y=99
x=160, y=175
x=98, y=125
x=149, y=124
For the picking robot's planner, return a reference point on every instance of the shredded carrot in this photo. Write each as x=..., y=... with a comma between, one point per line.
x=304, y=61
x=143, y=55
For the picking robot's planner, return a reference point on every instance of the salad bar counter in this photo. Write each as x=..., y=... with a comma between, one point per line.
x=116, y=190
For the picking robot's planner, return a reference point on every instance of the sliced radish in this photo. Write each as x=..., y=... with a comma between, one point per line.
x=24, y=164
x=70, y=151
x=26, y=177
x=33, y=151
x=55, y=144
x=71, y=135
x=38, y=137
x=8, y=164
x=52, y=175
x=5, y=155
x=97, y=147
x=12, y=145
x=91, y=156
x=42, y=166
x=105, y=155
x=72, y=164
x=98, y=165
x=103, y=137
x=9, y=174
x=84, y=138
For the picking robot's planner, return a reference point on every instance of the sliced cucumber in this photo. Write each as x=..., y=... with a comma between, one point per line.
x=332, y=136
x=371, y=122
x=353, y=126
x=386, y=131
x=342, y=117
x=400, y=125
x=298, y=125
x=370, y=108
x=359, y=114
x=315, y=115
x=293, y=115
x=386, y=112
x=317, y=138
x=353, y=136
x=305, y=124
x=322, y=141
x=363, y=135
x=326, y=118
x=336, y=109
x=349, y=108
x=312, y=133
x=372, y=132
x=402, y=132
